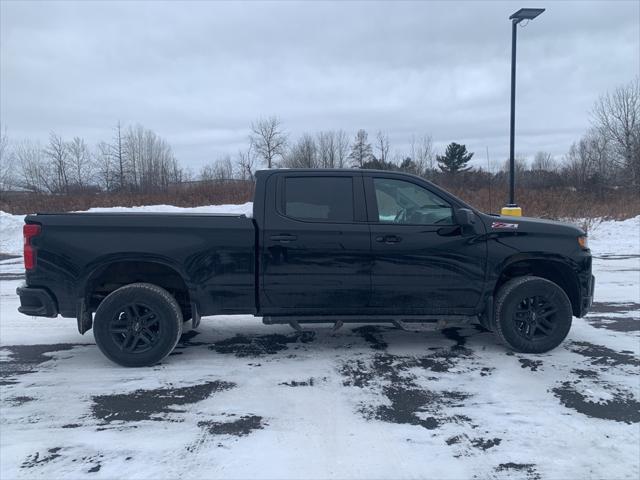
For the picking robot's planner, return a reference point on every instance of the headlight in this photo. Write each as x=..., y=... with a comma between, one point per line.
x=582, y=241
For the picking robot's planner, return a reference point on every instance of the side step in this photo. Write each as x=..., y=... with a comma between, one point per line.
x=400, y=321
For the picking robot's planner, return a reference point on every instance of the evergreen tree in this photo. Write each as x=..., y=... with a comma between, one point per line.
x=455, y=159
x=376, y=164
x=409, y=166
x=361, y=152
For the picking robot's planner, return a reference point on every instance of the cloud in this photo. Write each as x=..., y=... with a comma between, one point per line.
x=198, y=73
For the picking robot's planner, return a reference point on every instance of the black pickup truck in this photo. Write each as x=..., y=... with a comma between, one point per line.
x=323, y=246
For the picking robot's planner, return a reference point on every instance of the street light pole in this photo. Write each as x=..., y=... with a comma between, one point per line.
x=523, y=14
x=512, y=127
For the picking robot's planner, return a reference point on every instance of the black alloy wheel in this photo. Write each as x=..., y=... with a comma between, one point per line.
x=135, y=328
x=532, y=314
x=137, y=325
x=535, y=317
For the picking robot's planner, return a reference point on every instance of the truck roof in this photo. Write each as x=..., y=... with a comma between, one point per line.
x=320, y=171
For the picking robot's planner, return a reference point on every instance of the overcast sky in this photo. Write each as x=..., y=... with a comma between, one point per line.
x=198, y=73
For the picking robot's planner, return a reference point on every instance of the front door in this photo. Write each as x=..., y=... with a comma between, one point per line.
x=422, y=261
x=316, y=252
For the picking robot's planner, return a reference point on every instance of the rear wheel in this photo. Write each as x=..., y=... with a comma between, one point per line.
x=137, y=325
x=532, y=314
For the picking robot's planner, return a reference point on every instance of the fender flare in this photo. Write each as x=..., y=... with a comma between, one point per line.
x=99, y=265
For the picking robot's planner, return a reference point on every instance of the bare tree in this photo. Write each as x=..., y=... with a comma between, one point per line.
x=107, y=172
x=326, y=149
x=382, y=145
x=303, y=154
x=341, y=144
x=81, y=168
x=268, y=139
x=150, y=160
x=519, y=163
x=360, y=150
x=187, y=175
x=6, y=161
x=588, y=162
x=543, y=172
x=207, y=173
x=58, y=155
x=133, y=141
x=423, y=155
x=579, y=164
x=34, y=173
x=247, y=163
x=543, y=161
x=118, y=153
x=617, y=116
x=332, y=148
x=598, y=149
x=224, y=169
x=219, y=171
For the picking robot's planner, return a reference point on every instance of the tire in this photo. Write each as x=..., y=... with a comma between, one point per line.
x=532, y=314
x=137, y=325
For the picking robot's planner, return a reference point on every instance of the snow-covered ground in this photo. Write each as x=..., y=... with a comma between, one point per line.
x=238, y=399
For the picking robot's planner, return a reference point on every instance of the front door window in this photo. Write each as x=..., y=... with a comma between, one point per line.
x=402, y=202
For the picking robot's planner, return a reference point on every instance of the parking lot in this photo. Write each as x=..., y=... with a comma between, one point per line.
x=240, y=399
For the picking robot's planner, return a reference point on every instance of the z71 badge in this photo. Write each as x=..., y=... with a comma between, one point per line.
x=504, y=225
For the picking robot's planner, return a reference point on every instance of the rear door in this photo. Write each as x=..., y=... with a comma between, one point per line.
x=316, y=250
x=422, y=261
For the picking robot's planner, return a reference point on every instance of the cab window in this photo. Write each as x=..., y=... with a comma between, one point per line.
x=320, y=199
x=402, y=202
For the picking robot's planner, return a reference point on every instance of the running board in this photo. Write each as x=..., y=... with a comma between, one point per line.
x=397, y=320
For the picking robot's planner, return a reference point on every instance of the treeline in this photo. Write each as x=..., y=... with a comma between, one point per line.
x=607, y=156
x=136, y=161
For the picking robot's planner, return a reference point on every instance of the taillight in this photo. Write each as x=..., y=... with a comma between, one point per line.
x=30, y=230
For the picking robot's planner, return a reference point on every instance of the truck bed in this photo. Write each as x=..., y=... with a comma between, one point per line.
x=214, y=253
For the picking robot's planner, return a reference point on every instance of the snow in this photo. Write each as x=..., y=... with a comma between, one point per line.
x=11, y=225
x=616, y=248
x=611, y=237
x=11, y=233
x=372, y=402
x=243, y=209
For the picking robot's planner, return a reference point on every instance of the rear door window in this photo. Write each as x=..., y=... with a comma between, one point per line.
x=319, y=199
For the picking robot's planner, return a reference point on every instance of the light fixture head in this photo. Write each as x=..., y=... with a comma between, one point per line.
x=526, y=14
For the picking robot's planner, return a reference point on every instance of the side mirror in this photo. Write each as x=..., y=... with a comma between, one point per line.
x=464, y=217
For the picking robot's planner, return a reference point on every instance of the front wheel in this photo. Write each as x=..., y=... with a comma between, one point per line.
x=532, y=314
x=137, y=325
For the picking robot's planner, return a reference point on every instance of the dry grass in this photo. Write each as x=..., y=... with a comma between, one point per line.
x=558, y=203
x=185, y=196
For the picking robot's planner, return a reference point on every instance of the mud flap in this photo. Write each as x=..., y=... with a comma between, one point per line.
x=195, y=316
x=486, y=318
x=84, y=317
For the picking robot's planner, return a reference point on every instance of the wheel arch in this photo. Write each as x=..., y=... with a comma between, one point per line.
x=109, y=274
x=557, y=270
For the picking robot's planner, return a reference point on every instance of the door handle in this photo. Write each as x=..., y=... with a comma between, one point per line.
x=388, y=239
x=284, y=238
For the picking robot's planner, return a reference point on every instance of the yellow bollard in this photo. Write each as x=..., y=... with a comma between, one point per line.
x=512, y=211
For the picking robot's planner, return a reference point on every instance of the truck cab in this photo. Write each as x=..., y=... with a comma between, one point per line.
x=366, y=242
